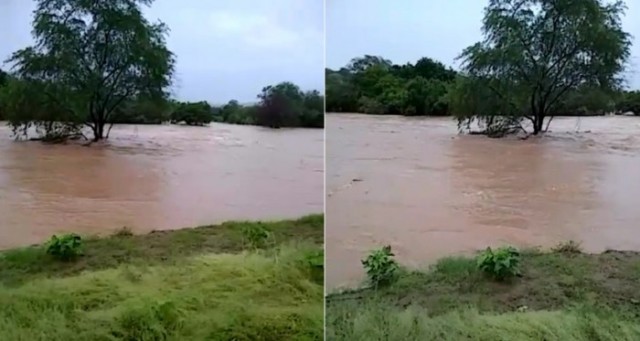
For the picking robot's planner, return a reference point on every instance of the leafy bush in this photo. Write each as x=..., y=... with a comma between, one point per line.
x=66, y=247
x=193, y=114
x=380, y=266
x=501, y=263
x=315, y=261
x=257, y=236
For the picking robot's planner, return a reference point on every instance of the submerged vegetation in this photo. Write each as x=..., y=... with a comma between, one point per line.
x=95, y=64
x=539, y=59
x=201, y=283
x=562, y=294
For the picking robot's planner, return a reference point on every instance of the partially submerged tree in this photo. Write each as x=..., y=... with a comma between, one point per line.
x=280, y=105
x=90, y=57
x=537, y=51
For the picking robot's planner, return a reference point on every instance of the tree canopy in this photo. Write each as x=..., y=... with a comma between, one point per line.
x=536, y=52
x=374, y=85
x=90, y=57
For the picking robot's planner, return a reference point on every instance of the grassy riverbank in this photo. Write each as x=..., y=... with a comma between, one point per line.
x=205, y=283
x=559, y=296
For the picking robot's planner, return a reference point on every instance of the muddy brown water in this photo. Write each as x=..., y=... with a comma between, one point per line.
x=417, y=185
x=158, y=177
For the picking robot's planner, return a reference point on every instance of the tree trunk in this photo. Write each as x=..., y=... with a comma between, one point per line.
x=98, y=126
x=98, y=131
x=538, y=123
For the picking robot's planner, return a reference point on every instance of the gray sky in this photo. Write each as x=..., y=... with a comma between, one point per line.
x=403, y=31
x=226, y=49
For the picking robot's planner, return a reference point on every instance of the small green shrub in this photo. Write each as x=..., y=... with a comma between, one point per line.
x=381, y=268
x=257, y=236
x=500, y=264
x=66, y=247
x=315, y=261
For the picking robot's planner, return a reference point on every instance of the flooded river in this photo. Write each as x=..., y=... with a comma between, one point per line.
x=157, y=177
x=415, y=184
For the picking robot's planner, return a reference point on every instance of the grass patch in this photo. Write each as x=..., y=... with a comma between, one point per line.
x=550, y=286
x=159, y=247
x=257, y=295
x=377, y=322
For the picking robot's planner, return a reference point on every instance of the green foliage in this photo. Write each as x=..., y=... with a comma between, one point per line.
x=500, y=264
x=257, y=236
x=66, y=247
x=532, y=56
x=381, y=268
x=198, y=113
x=89, y=58
x=629, y=101
x=374, y=85
x=315, y=261
x=285, y=105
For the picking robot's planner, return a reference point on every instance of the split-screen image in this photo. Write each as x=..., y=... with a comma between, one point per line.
x=319, y=170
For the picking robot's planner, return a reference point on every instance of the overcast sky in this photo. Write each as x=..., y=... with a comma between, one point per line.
x=403, y=31
x=226, y=49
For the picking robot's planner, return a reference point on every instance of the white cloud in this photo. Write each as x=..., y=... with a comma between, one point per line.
x=252, y=29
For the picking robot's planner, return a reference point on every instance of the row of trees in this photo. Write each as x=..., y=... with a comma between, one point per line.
x=539, y=59
x=97, y=63
x=281, y=105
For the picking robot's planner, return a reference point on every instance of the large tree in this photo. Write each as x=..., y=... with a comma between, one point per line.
x=537, y=51
x=91, y=56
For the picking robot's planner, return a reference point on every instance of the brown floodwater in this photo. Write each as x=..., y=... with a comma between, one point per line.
x=158, y=177
x=417, y=185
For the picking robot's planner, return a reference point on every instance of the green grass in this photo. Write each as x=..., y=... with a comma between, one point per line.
x=552, y=285
x=378, y=322
x=192, y=284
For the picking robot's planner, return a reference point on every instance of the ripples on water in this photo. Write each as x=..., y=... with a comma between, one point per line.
x=158, y=177
x=416, y=184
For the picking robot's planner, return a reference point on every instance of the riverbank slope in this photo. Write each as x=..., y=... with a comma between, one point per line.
x=207, y=283
x=560, y=295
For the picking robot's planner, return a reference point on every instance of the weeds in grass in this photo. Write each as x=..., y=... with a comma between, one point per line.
x=500, y=264
x=64, y=248
x=381, y=268
x=151, y=321
x=257, y=236
x=570, y=247
x=124, y=231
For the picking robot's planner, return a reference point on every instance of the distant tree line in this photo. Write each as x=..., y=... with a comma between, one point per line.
x=374, y=85
x=539, y=59
x=279, y=106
